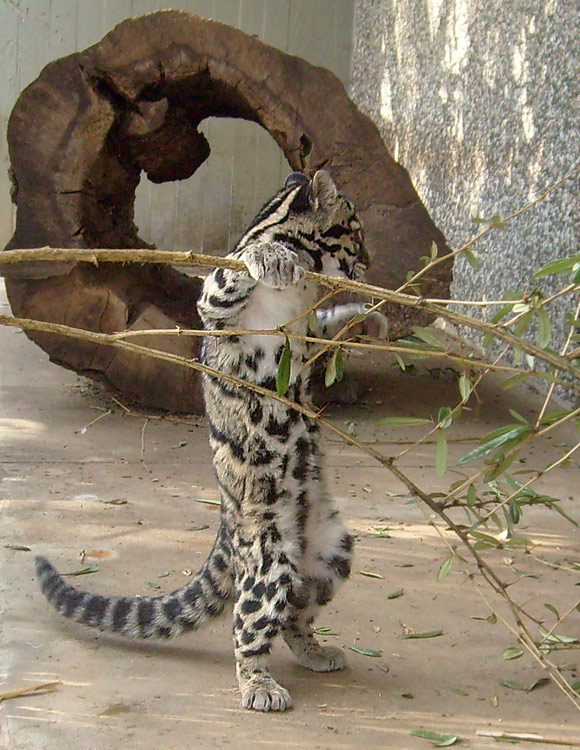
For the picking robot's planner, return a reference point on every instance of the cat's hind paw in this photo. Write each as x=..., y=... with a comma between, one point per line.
x=323, y=659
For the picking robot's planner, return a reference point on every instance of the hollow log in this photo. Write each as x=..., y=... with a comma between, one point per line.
x=82, y=133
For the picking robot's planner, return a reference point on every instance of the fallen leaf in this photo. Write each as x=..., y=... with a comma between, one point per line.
x=115, y=709
x=439, y=740
x=430, y=634
x=366, y=651
x=512, y=685
x=83, y=571
x=512, y=653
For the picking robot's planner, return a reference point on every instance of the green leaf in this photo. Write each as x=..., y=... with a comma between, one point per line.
x=561, y=265
x=417, y=636
x=445, y=569
x=396, y=594
x=334, y=368
x=284, y=370
x=544, y=328
x=440, y=740
x=496, y=439
x=324, y=630
x=524, y=323
x=441, y=453
x=400, y=362
x=512, y=685
x=313, y=322
x=83, y=571
x=518, y=416
x=553, y=610
x=487, y=538
x=514, y=511
x=366, y=651
x=555, y=638
x=360, y=318
x=426, y=335
x=465, y=387
x=554, y=416
x=514, y=380
x=501, y=313
x=444, y=417
x=207, y=501
x=512, y=653
x=472, y=259
x=402, y=421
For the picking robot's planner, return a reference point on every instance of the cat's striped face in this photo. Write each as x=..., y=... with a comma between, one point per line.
x=319, y=223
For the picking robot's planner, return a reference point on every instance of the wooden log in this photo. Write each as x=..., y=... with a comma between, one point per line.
x=81, y=134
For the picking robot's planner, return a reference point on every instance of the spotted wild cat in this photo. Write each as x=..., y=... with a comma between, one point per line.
x=281, y=549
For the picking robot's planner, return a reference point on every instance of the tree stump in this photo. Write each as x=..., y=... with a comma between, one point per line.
x=81, y=134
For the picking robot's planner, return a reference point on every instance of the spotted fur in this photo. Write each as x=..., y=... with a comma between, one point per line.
x=281, y=550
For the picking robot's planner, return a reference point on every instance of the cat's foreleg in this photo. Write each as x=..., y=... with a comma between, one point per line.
x=262, y=601
x=332, y=319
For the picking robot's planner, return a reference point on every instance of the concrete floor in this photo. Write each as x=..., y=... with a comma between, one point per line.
x=125, y=494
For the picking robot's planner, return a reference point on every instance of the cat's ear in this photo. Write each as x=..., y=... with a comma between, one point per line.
x=324, y=191
x=303, y=199
x=296, y=178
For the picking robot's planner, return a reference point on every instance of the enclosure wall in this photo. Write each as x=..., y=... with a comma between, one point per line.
x=208, y=211
x=480, y=101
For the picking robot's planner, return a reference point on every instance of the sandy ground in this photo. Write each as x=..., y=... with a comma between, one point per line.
x=126, y=494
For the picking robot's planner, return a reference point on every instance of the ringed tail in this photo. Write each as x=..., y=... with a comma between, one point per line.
x=164, y=616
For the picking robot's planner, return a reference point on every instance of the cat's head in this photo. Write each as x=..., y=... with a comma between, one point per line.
x=322, y=226
x=327, y=224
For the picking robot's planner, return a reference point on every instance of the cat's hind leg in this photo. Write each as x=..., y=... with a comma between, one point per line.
x=326, y=572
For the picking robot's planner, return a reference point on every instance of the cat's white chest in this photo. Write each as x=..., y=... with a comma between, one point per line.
x=271, y=308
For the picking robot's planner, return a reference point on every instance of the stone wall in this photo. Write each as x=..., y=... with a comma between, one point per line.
x=480, y=102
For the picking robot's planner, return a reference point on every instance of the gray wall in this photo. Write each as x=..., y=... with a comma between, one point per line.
x=480, y=102
x=208, y=211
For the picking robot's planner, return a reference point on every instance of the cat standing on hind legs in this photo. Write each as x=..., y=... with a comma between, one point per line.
x=281, y=550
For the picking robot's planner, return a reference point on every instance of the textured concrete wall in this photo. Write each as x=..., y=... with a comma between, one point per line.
x=479, y=100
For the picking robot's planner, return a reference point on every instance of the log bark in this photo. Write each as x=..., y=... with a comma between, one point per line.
x=81, y=134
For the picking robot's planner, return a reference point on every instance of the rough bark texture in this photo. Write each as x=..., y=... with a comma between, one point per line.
x=80, y=135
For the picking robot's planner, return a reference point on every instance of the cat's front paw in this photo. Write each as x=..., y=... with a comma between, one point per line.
x=264, y=694
x=273, y=265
